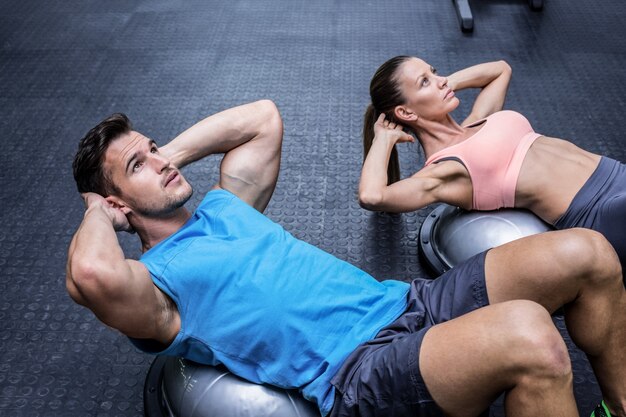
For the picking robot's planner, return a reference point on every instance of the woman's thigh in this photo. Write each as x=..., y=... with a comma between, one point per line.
x=548, y=268
x=611, y=222
x=468, y=362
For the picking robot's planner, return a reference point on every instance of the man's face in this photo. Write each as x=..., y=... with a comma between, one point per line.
x=149, y=185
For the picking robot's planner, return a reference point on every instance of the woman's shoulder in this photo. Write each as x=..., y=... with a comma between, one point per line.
x=508, y=118
x=473, y=121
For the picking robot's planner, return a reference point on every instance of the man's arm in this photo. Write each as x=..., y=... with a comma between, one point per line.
x=119, y=291
x=251, y=137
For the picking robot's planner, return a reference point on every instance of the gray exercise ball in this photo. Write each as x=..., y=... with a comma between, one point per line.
x=188, y=389
x=450, y=235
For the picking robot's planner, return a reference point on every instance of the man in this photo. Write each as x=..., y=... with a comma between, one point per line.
x=227, y=285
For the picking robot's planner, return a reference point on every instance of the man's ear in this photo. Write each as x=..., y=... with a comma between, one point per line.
x=405, y=114
x=118, y=203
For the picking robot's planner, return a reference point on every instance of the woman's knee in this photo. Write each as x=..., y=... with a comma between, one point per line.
x=588, y=254
x=534, y=344
x=514, y=344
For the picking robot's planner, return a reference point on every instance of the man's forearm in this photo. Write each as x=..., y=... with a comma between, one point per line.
x=218, y=133
x=250, y=136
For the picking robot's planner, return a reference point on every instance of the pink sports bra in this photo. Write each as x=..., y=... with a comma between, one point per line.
x=493, y=157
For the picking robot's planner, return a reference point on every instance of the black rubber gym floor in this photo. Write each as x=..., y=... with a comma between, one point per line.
x=64, y=65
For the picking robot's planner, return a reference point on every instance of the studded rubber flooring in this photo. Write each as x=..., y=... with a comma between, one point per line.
x=64, y=65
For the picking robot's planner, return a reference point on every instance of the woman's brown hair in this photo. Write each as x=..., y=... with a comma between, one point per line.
x=385, y=95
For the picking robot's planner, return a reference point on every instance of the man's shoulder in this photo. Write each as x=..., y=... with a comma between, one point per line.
x=216, y=199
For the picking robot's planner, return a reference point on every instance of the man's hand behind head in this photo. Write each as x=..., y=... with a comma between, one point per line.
x=94, y=201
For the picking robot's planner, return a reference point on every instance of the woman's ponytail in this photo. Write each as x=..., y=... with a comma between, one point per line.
x=386, y=95
x=393, y=169
x=369, y=119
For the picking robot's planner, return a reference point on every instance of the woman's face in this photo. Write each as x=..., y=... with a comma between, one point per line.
x=426, y=93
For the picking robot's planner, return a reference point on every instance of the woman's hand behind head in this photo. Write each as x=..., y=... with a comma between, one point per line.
x=391, y=131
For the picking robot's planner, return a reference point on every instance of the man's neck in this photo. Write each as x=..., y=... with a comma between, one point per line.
x=152, y=230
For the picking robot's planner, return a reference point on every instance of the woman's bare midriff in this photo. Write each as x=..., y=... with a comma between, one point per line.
x=552, y=173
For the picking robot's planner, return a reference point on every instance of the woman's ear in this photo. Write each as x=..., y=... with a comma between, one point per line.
x=405, y=114
x=118, y=204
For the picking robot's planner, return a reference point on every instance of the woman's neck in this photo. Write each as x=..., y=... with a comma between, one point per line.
x=435, y=135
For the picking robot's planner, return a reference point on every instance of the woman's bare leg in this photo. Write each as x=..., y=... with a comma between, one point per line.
x=511, y=347
x=578, y=270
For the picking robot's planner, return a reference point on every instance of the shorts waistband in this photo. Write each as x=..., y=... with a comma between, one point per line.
x=578, y=213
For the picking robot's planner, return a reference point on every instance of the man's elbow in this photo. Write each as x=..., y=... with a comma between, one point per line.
x=73, y=291
x=85, y=273
x=267, y=107
x=505, y=67
x=273, y=122
x=78, y=274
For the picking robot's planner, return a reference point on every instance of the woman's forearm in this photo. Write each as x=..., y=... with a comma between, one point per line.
x=478, y=76
x=492, y=78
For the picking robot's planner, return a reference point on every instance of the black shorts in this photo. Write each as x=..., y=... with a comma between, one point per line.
x=382, y=377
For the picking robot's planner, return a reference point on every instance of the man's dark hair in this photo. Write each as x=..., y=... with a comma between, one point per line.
x=88, y=172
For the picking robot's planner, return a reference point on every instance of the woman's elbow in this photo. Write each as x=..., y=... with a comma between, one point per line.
x=370, y=200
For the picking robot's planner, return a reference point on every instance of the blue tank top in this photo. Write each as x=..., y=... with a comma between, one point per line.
x=271, y=308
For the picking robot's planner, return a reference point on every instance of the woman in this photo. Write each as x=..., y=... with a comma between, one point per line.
x=492, y=160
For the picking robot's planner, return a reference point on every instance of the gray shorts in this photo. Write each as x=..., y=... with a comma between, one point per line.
x=600, y=205
x=382, y=377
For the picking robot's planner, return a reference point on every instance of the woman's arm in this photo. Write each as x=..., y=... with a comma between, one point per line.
x=446, y=182
x=374, y=193
x=492, y=78
x=406, y=195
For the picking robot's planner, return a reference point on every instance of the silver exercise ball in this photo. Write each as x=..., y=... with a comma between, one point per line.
x=186, y=389
x=450, y=235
